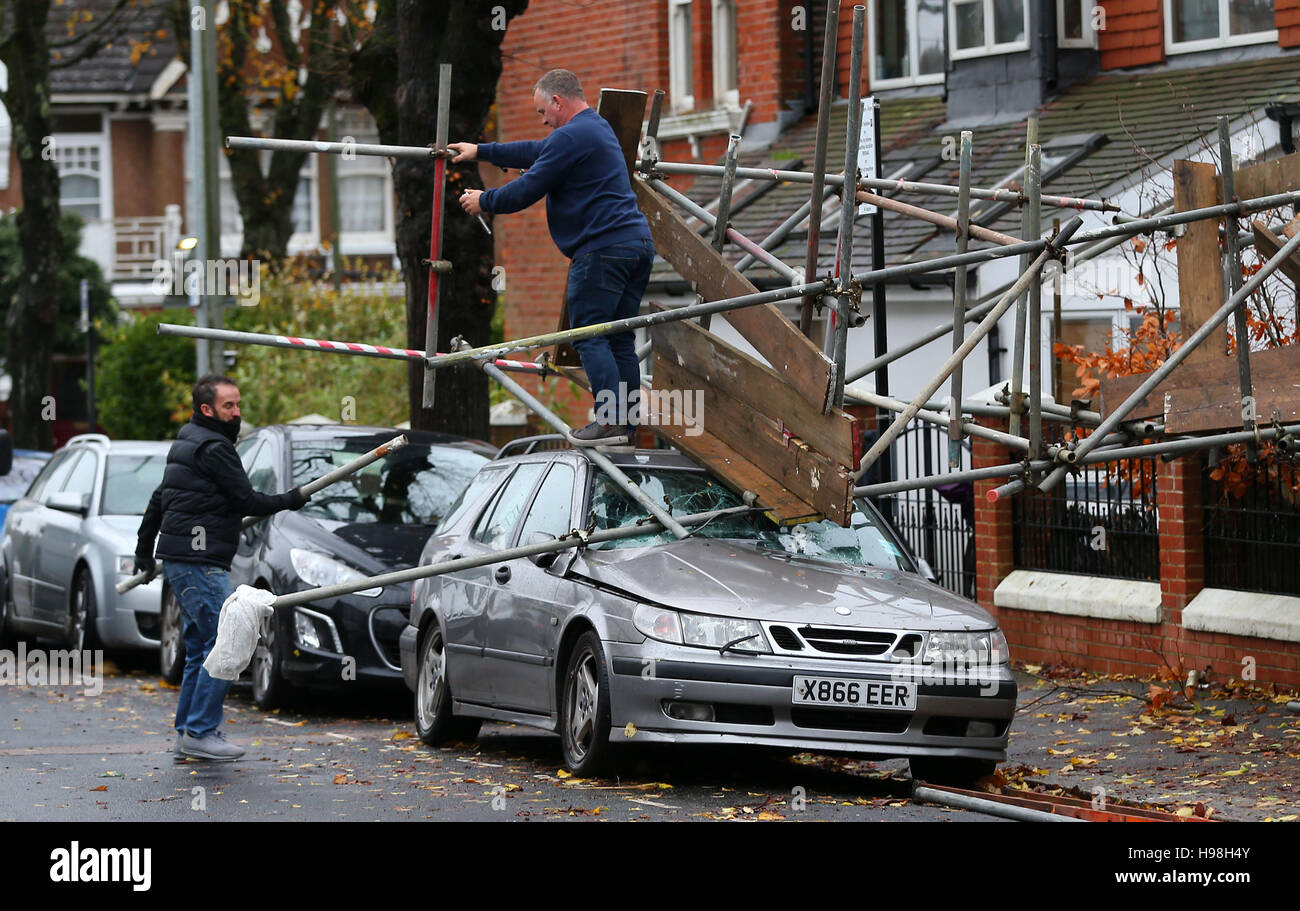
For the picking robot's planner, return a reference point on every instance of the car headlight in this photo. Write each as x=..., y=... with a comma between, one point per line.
x=985, y=647
x=315, y=568
x=700, y=629
x=126, y=566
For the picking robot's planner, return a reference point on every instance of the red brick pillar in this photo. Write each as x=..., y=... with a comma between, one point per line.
x=993, y=541
x=1182, y=546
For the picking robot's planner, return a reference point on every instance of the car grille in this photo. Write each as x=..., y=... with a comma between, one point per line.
x=386, y=625
x=846, y=641
x=786, y=638
x=845, y=720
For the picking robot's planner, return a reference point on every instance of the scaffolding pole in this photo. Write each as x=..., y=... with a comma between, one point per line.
x=1233, y=265
x=616, y=475
x=1034, y=225
x=818, y=175
x=959, y=298
x=837, y=341
x=1028, y=231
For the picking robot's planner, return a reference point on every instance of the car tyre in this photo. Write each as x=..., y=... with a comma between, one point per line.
x=79, y=632
x=171, y=645
x=584, y=708
x=434, y=722
x=9, y=635
x=270, y=689
x=956, y=772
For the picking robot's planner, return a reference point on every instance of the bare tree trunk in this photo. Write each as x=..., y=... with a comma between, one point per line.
x=396, y=77
x=30, y=322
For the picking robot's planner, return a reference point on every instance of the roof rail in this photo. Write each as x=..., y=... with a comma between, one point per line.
x=527, y=445
x=90, y=438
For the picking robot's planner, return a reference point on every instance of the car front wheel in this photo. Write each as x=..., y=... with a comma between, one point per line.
x=584, y=708
x=171, y=648
x=434, y=722
x=79, y=631
x=270, y=689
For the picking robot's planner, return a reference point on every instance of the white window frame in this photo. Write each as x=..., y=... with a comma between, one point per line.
x=1210, y=44
x=914, y=53
x=681, y=63
x=362, y=243
x=100, y=142
x=726, y=56
x=989, y=49
x=299, y=241
x=1089, y=41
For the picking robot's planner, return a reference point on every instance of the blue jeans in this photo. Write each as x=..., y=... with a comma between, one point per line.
x=608, y=284
x=201, y=589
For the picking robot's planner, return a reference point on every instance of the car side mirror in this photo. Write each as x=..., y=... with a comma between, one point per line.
x=545, y=559
x=927, y=570
x=68, y=501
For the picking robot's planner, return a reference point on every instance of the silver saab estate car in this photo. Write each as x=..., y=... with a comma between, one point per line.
x=808, y=637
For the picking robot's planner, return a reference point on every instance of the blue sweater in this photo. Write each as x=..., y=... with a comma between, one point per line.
x=581, y=171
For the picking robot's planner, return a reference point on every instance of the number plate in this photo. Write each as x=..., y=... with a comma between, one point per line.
x=861, y=694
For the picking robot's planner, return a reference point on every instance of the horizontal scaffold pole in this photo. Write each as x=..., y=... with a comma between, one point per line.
x=330, y=148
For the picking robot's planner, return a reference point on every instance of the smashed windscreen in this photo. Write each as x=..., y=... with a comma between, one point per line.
x=863, y=543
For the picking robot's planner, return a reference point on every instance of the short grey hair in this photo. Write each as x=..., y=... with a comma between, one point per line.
x=562, y=83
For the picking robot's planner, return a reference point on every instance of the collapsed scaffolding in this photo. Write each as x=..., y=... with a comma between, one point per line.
x=802, y=451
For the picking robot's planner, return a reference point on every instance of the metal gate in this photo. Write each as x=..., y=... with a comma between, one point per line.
x=939, y=524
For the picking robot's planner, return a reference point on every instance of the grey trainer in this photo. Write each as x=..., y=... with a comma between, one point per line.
x=178, y=751
x=212, y=746
x=597, y=434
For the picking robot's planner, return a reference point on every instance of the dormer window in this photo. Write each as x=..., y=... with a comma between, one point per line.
x=979, y=28
x=906, y=42
x=1203, y=25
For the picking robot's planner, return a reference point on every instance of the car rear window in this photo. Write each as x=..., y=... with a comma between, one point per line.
x=863, y=543
x=415, y=485
x=130, y=481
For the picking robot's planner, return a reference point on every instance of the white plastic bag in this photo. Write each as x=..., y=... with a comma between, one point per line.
x=238, y=629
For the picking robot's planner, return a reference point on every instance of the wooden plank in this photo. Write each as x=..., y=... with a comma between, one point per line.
x=740, y=474
x=1268, y=244
x=1200, y=269
x=789, y=352
x=624, y=109
x=1269, y=177
x=796, y=467
x=733, y=373
x=1216, y=404
x=1274, y=365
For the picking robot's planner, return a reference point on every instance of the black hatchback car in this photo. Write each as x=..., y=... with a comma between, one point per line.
x=374, y=521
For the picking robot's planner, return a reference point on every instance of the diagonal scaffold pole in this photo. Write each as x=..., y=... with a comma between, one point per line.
x=886, y=439
x=837, y=336
x=498, y=350
x=1116, y=417
x=616, y=475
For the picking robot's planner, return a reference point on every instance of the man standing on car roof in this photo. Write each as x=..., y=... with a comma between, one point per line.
x=199, y=508
x=593, y=218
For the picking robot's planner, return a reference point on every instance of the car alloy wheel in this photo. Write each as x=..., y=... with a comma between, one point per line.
x=81, y=611
x=171, y=647
x=584, y=710
x=434, y=722
x=269, y=686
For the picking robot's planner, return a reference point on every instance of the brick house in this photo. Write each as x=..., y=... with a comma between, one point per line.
x=1120, y=89
x=121, y=141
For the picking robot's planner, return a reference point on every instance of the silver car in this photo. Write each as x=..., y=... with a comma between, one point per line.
x=810, y=637
x=71, y=539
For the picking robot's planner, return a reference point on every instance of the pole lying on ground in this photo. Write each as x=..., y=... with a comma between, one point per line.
x=308, y=489
x=571, y=540
x=1031, y=274
x=619, y=478
x=1158, y=376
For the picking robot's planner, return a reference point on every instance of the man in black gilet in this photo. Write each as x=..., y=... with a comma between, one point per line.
x=199, y=507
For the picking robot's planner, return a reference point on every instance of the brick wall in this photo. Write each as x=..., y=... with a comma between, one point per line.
x=1133, y=35
x=1117, y=646
x=1286, y=16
